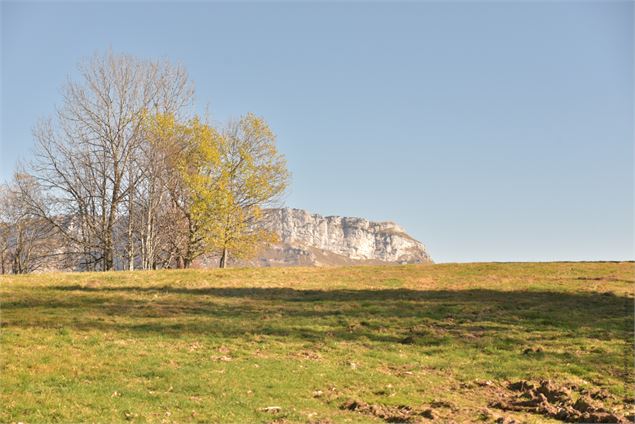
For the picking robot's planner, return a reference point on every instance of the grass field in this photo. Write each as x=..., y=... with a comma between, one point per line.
x=424, y=342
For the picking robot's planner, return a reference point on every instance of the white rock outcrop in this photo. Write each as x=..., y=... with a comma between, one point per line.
x=353, y=239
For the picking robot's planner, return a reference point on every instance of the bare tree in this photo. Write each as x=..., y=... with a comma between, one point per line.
x=87, y=153
x=26, y=240
x=157, y=225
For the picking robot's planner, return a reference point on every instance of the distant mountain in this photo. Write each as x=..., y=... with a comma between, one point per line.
x=308, y=239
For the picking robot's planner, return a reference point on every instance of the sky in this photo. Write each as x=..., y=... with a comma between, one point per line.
x=491, y=131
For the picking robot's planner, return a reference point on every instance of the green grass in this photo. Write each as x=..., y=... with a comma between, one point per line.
x=220, y=345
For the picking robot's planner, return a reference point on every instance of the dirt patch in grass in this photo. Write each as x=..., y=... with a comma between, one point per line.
x=307, y=355
x=562, y=402
x=391, y=414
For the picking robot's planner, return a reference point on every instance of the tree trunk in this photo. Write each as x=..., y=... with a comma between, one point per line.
x=108, y=255
x=223, y=258
x=131, y=253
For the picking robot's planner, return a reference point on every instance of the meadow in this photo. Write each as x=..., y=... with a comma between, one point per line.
x=412, y=343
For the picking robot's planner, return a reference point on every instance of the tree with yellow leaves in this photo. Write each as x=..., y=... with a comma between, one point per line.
x=190, y=171
x=223, y=181
x=254, y=175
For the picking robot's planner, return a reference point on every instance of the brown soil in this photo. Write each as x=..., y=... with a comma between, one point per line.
x=551, y=400
x=391, y=414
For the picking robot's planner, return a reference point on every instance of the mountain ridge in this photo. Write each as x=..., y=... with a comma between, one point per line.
x=310, y=239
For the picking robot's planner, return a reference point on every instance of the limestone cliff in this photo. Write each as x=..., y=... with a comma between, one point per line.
x=311, y=239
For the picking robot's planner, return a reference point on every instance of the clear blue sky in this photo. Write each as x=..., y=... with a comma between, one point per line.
x=490, y=131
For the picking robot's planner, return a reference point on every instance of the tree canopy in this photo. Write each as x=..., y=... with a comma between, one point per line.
x=133, y=179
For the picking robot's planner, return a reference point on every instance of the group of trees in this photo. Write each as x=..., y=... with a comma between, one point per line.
x=125, y=177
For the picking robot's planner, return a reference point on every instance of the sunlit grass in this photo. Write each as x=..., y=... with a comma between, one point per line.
x=221, y=345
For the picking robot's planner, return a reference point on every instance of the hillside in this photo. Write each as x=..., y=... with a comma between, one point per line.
x=412, y=343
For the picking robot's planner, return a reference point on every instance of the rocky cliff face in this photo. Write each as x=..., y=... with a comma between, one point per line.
x=311, y=239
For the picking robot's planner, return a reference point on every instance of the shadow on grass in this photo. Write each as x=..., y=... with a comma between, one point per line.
x=430, y=317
